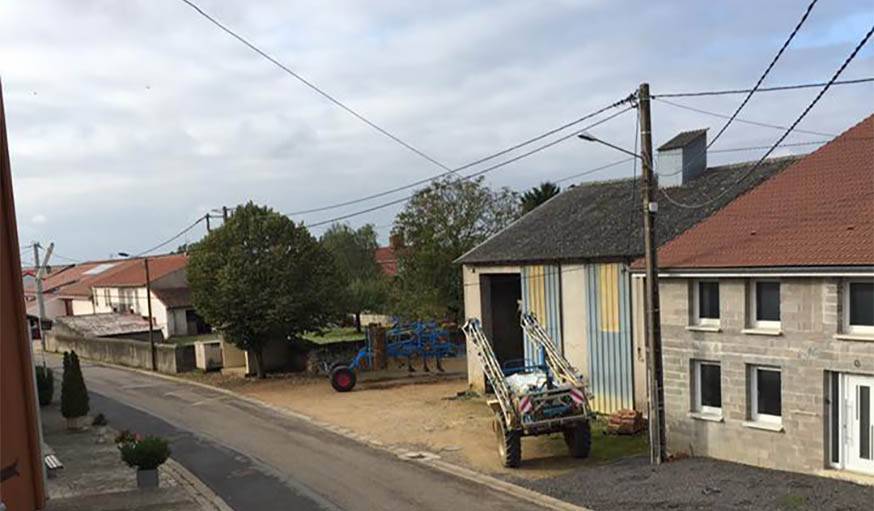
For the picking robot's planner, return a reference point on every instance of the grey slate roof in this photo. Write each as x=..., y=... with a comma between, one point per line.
x=602, y=220
x=104, y=324
x=682, y=139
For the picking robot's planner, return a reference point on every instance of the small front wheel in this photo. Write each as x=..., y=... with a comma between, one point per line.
x=343, y=378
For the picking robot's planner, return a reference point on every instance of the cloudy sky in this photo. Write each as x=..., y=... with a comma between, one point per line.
x=129, y=119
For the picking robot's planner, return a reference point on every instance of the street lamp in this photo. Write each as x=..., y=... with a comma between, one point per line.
x=149, y=309
x=588, y=137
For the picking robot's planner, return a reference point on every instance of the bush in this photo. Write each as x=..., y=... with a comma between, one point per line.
x=100, y=420
x=45, y=385
x=126, y=437
x=74, y=395
x=146, y=454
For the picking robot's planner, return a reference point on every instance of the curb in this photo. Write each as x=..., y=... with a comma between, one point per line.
x=200, y=492
x=430, y=460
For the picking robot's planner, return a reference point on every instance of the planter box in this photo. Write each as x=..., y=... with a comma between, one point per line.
x=147, y=478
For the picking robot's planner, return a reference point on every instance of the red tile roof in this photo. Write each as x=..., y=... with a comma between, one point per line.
x=132, y=272
x=817, y=212
x=387, y=259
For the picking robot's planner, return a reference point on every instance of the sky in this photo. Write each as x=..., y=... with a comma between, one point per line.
x=130, y=119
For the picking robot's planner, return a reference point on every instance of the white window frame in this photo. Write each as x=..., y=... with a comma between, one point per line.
x=696, y=307
x=753, y=301
x=755, y=416
x=848, y=328
x=696, y=405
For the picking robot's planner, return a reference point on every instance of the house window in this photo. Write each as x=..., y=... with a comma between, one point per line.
x=106, y=297
x=766, y=402
x=859, y=307
x=765, y=304
x=707, y=379
x=705, y=302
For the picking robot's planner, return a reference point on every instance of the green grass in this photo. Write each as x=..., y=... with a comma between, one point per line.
x=333, y=335
x=184, y=340
x=791, y=502
x=613, y=447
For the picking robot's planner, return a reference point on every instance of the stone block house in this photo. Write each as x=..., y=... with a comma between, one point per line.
x=568, y=262
x=767, y=311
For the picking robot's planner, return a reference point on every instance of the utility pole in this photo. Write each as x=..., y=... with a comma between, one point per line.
x=649, y=182
x=224, y=213
x=206, y=216
x=149, y=308
x=39, y=300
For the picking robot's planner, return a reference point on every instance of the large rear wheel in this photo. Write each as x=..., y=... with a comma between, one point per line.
x=579, y=439
x=342, y=378
x=509, y=443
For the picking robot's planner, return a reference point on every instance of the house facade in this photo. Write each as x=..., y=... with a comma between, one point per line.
x=568, y=262
x=767, y=311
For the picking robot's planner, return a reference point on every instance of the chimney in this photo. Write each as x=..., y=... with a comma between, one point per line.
x=682, y=158
x=396, y=241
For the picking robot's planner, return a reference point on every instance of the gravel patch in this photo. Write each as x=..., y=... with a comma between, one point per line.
x=700, y=483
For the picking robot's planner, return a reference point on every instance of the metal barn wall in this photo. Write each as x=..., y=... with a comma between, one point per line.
x=610, y=345
x=541, y=294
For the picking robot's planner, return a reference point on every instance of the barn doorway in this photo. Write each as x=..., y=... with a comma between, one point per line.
x=501, y=295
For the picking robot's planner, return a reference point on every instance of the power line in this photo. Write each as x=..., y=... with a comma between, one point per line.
x=592, y=171
x=761, y=89
x=765, y=73
x=477, y=173
x=743, y=121
x=786, y=134
x=315, y=87
x=175, y=237
x=468, y=165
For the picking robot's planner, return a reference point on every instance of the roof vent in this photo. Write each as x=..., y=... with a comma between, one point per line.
x=682, y=158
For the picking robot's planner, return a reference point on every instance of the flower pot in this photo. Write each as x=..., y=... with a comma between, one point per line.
x=76, y=423
x=102, y=437
x=147, y=478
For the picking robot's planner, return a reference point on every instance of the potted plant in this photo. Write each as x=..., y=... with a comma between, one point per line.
x=100, y=423
x=74, y=395
x=45, y=385
x=146, y=454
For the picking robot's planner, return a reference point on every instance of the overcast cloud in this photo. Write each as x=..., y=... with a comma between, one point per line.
x=129, y=119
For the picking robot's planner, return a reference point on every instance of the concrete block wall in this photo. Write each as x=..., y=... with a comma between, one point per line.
x=805, y=352
x=170, y=358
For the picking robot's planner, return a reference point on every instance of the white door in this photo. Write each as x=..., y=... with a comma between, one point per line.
x=859, y=448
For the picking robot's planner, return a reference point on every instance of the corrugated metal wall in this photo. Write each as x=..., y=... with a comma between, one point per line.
x=541, y=294
x=610, y=345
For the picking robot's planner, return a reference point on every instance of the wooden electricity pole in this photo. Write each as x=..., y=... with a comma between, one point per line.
x=649, y=182
x=149, y=310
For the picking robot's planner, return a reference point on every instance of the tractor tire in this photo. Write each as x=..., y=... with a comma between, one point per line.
x=509, y=444
x=343, y=379
x=579, y=439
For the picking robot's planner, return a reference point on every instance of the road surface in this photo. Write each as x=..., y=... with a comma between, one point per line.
x=255, y=458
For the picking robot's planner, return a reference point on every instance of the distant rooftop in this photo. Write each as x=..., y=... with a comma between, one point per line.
x=102, y=325
x=682, y=139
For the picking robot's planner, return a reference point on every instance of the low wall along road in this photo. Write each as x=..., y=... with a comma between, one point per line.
x=127, y=352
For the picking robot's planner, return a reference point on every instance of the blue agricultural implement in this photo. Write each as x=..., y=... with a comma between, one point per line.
x=424, y=339
x=536, y=399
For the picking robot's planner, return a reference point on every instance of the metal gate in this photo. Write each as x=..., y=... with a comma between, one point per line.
x=610, y=346
x=541, y=295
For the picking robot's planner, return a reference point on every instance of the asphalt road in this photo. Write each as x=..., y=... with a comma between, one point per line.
x=255, y=458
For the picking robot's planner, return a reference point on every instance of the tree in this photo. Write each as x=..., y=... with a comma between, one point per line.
x=259, y=278
x=438, y=225
x=74, y=394
x=364, y=286
x=538, y=195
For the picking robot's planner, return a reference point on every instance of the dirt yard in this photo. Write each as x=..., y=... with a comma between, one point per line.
x=424, y=412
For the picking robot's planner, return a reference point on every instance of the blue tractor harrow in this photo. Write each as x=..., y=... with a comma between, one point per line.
x=423, y=339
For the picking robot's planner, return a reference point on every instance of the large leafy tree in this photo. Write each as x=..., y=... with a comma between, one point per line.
x=363, y=287
x=260, y=277
x=538, y=195
x=438, y=225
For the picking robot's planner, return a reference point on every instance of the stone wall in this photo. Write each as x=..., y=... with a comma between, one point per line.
x=170, y=358
x=806, y=351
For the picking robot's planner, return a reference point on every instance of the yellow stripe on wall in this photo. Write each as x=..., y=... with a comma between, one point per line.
x=537, y=293
x=608, y=297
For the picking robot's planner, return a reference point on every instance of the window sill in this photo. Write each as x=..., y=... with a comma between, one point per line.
x=709, y=417
x=855, y=337
x=767, y=426
x=762, y=331
x=703, y=328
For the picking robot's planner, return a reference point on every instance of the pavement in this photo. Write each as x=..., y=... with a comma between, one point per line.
x=94, y=477
x=254, y=457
